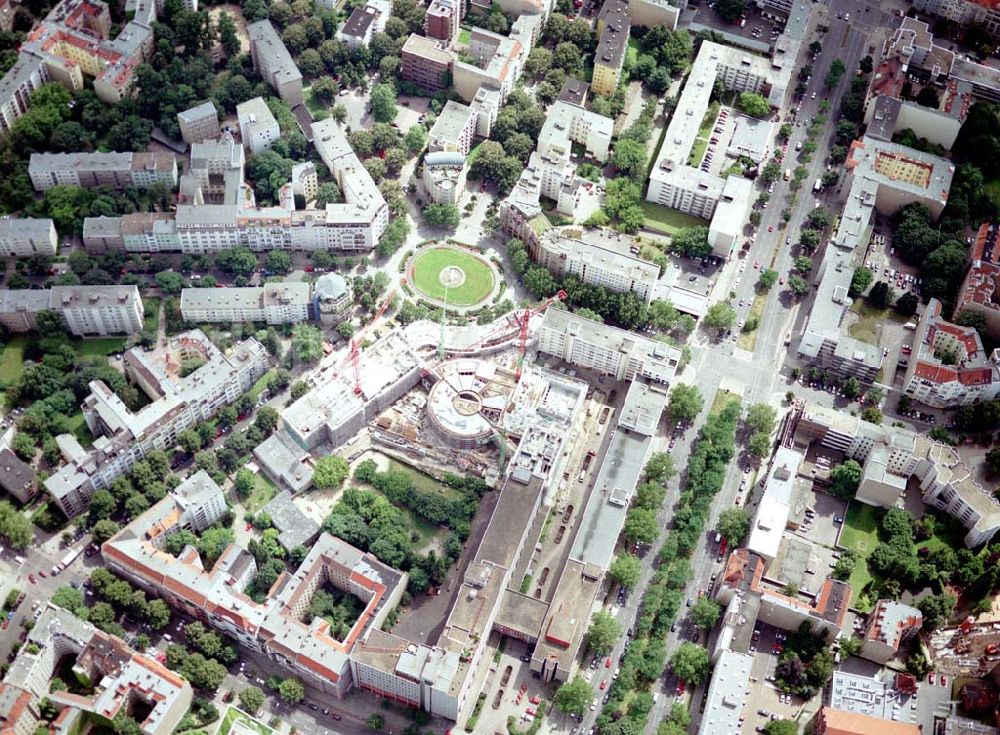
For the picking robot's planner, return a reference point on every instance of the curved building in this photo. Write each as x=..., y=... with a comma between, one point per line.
x=467, y=400
x=331, y=298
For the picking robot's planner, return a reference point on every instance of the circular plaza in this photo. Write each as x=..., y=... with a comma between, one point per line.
x=453, y=275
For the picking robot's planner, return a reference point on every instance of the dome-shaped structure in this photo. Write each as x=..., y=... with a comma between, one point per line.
x=331, y=298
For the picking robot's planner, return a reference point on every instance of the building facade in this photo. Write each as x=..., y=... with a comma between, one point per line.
x=273, y=303
x=117, y=170
x=273, y=62
x=22, y=237
x=199, y=123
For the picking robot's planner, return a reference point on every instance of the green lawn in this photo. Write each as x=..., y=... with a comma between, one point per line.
x=708, y=122
x=666, y=220
x=312, y=104
x=233, y=714
x=262, y=493
x=430, y=262
x=632, y=54
x=993, y=190
x=464, y=36
x=100, y=346
x=866, y=329
x=860, y=534
x=748, y=340
x=150, y=313
x=424, y=483
x=261, y=384
x=12, y=360
x=79, y=429
x=722, y=399
x=697, y=152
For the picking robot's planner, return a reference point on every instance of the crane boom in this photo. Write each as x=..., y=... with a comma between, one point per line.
x=526, y=319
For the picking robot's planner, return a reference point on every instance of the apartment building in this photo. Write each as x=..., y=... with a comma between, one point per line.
x=964, y=13
x=650, y=13
x=890, y=624
x=177, y=403
x=17, y=85
x=496, y=62
x=89, y=311
x=199, y=123
x=273, y=303
x=426, y=63
x=442, y=177
x=364, y=22
x=258, y=127
x=675, y=184
x=949, y=366
x=889, y=456
x=443, y=20
x=613, y=24
x=980, y=292
x=273, y=62
x=454, y=129
x=605, y=349
x=567, y=123
x=17, y=478
x=727, y=694
x=122, y=680
x=22, y=237
x=830, y=721
x=882, y=177
x=117, y=170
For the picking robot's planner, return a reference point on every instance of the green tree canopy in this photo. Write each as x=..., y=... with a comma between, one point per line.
x=603, y=632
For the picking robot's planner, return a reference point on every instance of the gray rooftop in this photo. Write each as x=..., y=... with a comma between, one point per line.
x=295, y=527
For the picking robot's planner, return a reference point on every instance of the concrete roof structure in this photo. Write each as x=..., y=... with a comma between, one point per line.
x=751, y=138
x=295, y=527
x=17, y=477
x=268, y=45
x=727, y=694
x=832, y=721
x=454, y=120
x=285, y=462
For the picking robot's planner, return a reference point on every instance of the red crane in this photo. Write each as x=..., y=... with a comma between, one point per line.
x=525, y=319
x=355, y=352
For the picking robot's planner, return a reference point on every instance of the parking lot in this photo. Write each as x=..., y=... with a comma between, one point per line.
x=757, y=27
x=510, y=689
x=765, y=702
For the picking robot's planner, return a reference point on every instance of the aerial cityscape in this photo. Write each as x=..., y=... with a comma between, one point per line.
x=515, y=367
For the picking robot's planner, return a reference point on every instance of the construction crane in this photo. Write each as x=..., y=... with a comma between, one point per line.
x=526, y=319
x=354, y=354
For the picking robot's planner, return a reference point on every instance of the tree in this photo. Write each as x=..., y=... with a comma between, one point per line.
x=719, y=317
x=68, y=598
x=767, y=279
x=383, y=103
x=641, y=526
x=851, y=387
x=307, y=343
x=860, y=282
x=692, y=242
x=227, y=34
x=936, y=609
x=278, y=261
x=872, y=415
x=685, y=402
x=761, y=417
x=443, y=215
x=104, y=529
x=625, y=570
x=157, y=614
x=798, y=285
x=573, y=697
x=630, y=158
x=603, y=632
x=415, y=138
x=753, y=104
x=845, y=479
x=375, y=722
x=252, y=699
x=169, y=282
x=291, y=691
x=691, y=663
x=704, y=613
x=781, y=727
x=730, y=10
x=733, y=524
x=837, y=69
x=660, y=468
x=330, y=471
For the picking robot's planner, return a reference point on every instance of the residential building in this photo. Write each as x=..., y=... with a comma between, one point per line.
x=574, y=92
x=454, y=129
x=676, y=184
x=727, y=697
x=285, y=462
x=273, y=62
x=889, y=625
x=605, y=349
x=117, y=170
x=426, y=63
x=199, y=501
x=613, y=26
x=17, y=478
x=89, y=311
x=949, y=366
x=830, y=721
x=272, y=303
x=294, y=527
x=364, y=22
x=177, y=403
x=442, y=20
x=199, y=123
x=121, y=679
x=752, y=138
x=305, y=181
x=443, y=177
x=331, y=298
x=17, y=85
x=598, y=257
x=771, y=517
x=22, y=237
x=980, y=292
x=566, y=123
x=884, y=177
x=650, y=13
x=890, y=455
x=496, y=62
x=964, y=13
x=258, y=128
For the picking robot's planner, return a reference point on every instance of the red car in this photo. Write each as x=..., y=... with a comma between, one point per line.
x=607, y=663
x=930, y=678
x=43, y=573
x=771, y=228
x=604, y=683
x=530, y=712
x=943, y=680
x=535, y=700
x=249, y=526
x=680, y=687
x=31, y=578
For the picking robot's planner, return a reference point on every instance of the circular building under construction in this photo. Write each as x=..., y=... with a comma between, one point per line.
x=467, y=399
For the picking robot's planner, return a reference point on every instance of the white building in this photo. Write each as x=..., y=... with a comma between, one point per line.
x=454, y=129
x=273, y=62
x=117, y=170
x=89, y=311
x=604, y=349
x=199, y=123
x=258, y=128
x=21, y=237
x=443, y=177
x=273, y=303
x=727, y=696
x=364, y=22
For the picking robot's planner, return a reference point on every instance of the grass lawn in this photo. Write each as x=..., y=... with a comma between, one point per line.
x=262, y=493
x=430, y=262
x=261, y=384
x=464, y=35
x=722, y=399
x=860, y=534
x=424, y=483
x=150, y=313
x=100, y=346
x=866, y=328
x=708, y=122
x=697, y=152
x=993, y=190
x=12, y=360
x=666, y=220
x=254, y=725
x=79, y=429
x=473, y=154
x=312, y=104
x=748, y=340
x=632, y=55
